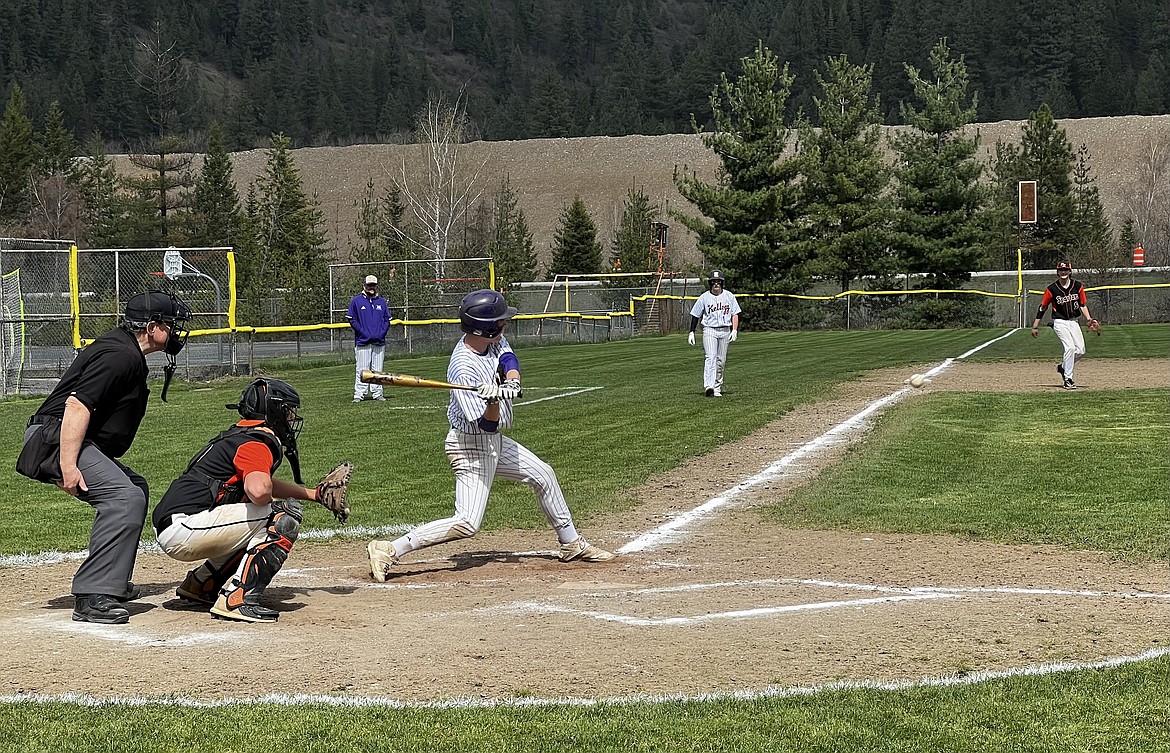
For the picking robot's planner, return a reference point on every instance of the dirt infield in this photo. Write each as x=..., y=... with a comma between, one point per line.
x=728, y=604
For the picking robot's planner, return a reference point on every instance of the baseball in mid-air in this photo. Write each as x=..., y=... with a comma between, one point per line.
x=917, y=380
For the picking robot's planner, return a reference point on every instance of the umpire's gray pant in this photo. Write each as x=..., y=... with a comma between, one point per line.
x=119, y=496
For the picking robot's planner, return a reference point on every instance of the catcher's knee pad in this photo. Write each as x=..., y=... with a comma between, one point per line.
x=285, y=521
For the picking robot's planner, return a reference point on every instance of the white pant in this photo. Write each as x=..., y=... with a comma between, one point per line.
x=477, y=460
x=216, y=534
x=367, y=357
x=1073, y=340
x=715, y=340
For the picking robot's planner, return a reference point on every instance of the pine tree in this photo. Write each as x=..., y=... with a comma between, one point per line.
x=1093, y=238
x=845, y=177
x=55, y=206
x=369, y=226
x=215, y=203
x=113, y=217
x=56, y=147
x=1045, y=156
x=550, y=107
x=940, y=228
x=165, y=158
x=576, y=249
x=287, y=248
x=99, y=190
x=753, y=234
x=635, y=245
x=17, y=155
x=510, y=242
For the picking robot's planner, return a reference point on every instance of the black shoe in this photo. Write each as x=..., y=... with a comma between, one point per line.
x=1069, y=384
x=709, y=392
x=1060, y=369
x=133, y=592
x=100, y=608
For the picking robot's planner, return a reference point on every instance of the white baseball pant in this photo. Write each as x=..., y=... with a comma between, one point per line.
x=367, y=357
x=715, y=340
x=1073, y=339
x=477, y=460
x=216, y=534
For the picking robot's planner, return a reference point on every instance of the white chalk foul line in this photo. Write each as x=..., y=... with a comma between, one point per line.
x=797, y=691
x=782, y=468
x=529, y=607
x=777, y=469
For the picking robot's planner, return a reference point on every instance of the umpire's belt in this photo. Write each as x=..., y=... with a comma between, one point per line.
x=36, y=420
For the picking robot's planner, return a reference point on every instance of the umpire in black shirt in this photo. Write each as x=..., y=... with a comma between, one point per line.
x=97, y=408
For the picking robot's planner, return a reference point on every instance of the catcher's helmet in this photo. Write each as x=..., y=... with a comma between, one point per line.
x=481, y=312
x=276, y=404
x=716, y=276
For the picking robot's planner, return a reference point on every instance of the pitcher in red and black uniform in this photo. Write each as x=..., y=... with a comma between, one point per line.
x=228, y=509
x=1067, y=298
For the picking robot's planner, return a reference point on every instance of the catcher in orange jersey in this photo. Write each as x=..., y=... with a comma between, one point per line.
x=1068, y=301
x=228, y=509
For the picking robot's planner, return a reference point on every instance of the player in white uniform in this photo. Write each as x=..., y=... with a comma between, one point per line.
x=718, y=311
x=478, y=451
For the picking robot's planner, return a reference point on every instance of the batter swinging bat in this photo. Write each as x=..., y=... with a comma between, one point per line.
x=408, y=380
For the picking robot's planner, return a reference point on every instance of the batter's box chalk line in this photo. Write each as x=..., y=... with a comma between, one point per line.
x=891, y=595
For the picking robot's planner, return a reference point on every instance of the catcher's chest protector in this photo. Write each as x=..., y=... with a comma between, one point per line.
x=213, y=466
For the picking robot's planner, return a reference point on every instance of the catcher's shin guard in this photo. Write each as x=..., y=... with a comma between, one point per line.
x=202, y=585
x=241, y=600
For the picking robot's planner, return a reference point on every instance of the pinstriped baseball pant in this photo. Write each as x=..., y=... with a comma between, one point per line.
x=715, y=340
x=477, y=460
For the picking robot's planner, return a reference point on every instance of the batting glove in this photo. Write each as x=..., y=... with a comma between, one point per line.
x=691, y=338
x=510, y=389
x=488, y=391
x=734, y=335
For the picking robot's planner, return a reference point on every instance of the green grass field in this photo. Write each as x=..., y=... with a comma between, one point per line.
x=649, y=417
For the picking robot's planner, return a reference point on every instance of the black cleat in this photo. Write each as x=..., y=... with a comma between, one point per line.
x=1060, y=369
x=102, y=609
x=709, y=392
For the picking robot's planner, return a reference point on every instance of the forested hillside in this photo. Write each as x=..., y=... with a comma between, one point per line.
x=346, y=71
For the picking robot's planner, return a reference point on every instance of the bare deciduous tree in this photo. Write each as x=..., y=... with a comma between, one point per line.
x=55, y=209
x=1147, y=200
x=440, y=185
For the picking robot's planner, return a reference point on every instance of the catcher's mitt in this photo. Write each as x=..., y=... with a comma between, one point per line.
x=1095, y=326
x=332, y=489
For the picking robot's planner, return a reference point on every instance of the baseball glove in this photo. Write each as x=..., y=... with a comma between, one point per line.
x=332, y=490
x=1095, y=326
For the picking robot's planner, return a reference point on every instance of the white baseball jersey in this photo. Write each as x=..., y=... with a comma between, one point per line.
x=471, y=368
x=716, y=310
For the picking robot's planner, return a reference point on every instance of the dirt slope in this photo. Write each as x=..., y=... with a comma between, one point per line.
x=548, y=173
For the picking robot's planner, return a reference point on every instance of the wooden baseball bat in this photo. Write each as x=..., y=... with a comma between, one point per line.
x=408, y=380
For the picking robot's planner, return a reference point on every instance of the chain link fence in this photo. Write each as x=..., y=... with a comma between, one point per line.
x=38, y=329
x=35, y=314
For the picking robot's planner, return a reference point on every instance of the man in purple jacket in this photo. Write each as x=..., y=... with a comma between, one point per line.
x=369, y=315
